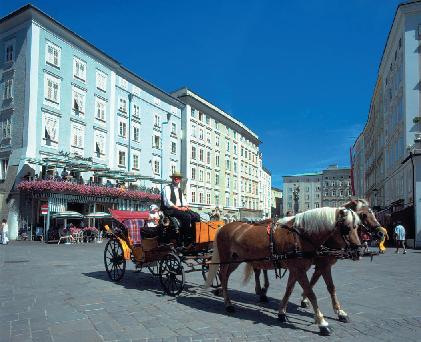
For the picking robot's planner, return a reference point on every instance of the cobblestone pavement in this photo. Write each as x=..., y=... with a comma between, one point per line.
x=62, y=293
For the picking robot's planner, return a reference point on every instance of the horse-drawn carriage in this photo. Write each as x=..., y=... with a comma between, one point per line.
x=158, y=249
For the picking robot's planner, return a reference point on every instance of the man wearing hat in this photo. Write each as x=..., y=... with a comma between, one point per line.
x=173, y=204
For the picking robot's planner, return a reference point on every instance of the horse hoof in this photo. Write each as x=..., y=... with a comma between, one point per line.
x=344, y=318
x=230, y=309
x=282, y=318
x=263, y=299
x=304, y=304
x=325, y=331
x=217, y=292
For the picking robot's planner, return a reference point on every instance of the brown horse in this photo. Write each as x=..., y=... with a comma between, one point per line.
x=239, y=242
x=323, y=264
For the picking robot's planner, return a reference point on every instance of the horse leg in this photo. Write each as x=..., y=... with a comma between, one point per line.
x=225, y=272
x=309, y=293
x=284, y=303
x=263, y=297
x=327, y=276
x=314, y=278
x=258, y=288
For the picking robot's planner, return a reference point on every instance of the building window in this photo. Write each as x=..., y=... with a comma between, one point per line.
x=79, y=69
x=4, y=164
x=228, y=182
x=156, y=167
x=8, y=89
x=208, y=157
x=333, y=193
x=228, y=164
x=9, y=52
x=53, y=54
x=78, y=133
x=101, y=80
x=50, y=130
x=78, y=100
x=235, y=166
x=173, y=147
x=193, y=152
x=208, y=137
x=193, y=173
x=235, y=149
x=155, y=141
x=173, y=128
x=99, y=144
x=136, y=111
x=201, y=197
x=52, y=89
x=6, y=129
x=100, y=109
x=193, y=196
x=208, y=177
x=121, y=158
x=122, y=129
x=216, y=179
x=227, y=201
x=228, y=145
x=216, y=140
x=201, y=155
x=216, y=200
x=200, y=175
x=122, y=105
x=135, y=161
x=157, y=121
x=208, y=199
x=201, y=133
x=200, y=116
x=173, y=167
x=136, y=133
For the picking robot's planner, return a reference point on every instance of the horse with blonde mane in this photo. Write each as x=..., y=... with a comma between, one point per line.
x=294, y=246
x=323, y=264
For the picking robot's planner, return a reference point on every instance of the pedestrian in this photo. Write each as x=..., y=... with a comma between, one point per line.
x=400, y=237
x=4, y=230
x=382, y=239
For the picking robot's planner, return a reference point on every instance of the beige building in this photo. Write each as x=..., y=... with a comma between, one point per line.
x=221, y=160
x=302, y=192
x=265, y=193
x=336, y=186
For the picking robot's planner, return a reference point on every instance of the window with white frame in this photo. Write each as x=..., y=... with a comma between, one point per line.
x=52, y=89
x=208, y=137
x=156, y=167
x=235, y=149
x=216, y=179
x=227, y=201
x=79, y=69
x=122, y=105
x=235, y=184
x=193, y=131
x=217, y=160
x=50, y=125
x=201, y=133
x=136, y=110
x=78, y=132
x=193, y=173
x=208, y=198
x=121, y=158
x=193, y=152
x=6, y=129
x=173, y=167
x=8, y=89
x=78, y=101
x=135, y=161
x=122, y=128
x=100, y=109
x=156, y=141
x=201, y=199
x=157, y=120
x=101, y=80
x=200, y=116
x=4, y=165
x=193, y=196
x=173, y=128
x=9, y=49
x=216, y=200
x=216, y=140
x=136, y=133
x=235, y=166
x=228, y=145
x=208, y=157
x=52, y=54
x=208, y=177
x=99, y=144
x=200, y=175
x=200, y=154
x=228, y=181
x=173, y=147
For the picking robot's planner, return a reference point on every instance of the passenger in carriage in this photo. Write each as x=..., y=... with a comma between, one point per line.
x=173, y=204
x=153, y=216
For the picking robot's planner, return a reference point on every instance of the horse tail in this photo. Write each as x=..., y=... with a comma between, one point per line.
x=214, y=266
x=248, y=271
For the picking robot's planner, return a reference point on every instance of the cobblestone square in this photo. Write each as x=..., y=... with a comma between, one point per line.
x=62, y=293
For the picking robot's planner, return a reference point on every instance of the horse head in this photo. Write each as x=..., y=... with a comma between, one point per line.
x=346, y=234
x=368, y=219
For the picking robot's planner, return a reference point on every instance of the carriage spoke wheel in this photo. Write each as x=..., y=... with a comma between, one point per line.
x=154, y=268
x=114, y=261
x=171, y=274
x=216, y=283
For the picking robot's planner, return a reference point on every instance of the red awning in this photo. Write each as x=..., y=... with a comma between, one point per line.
x=121, y=215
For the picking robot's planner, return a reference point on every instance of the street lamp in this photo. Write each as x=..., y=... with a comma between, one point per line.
x=162, y=146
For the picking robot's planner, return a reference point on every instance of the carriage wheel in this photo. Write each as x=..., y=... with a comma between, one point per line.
x=114, y=261
x=154, y=268
x=171, y=274
x=216, y=283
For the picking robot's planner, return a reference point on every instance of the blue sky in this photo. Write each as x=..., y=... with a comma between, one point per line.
x=300, y=74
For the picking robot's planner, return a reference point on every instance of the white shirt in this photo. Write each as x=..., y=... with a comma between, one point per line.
x=167, y=196
x=5, y=227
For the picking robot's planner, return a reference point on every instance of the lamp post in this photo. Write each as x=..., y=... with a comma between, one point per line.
x=162, y=147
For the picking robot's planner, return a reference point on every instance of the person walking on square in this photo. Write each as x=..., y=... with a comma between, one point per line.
x=4, y=232
x=400, y=237
x=382, y=239
x=173, y=204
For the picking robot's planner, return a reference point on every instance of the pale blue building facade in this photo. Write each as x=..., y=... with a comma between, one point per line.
x=60, y=95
